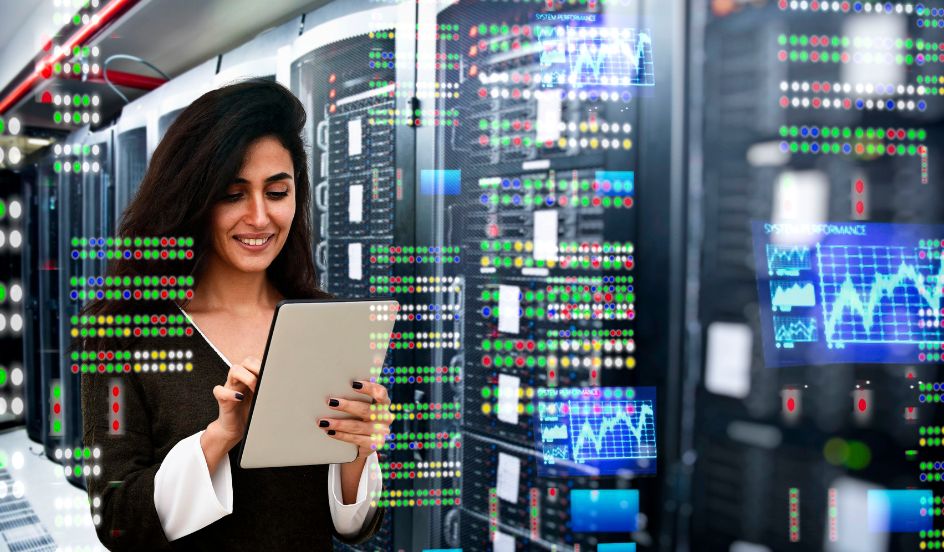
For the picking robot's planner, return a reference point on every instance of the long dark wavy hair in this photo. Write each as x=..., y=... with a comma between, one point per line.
x=189, y=172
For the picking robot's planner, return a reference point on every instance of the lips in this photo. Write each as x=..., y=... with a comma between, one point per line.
x=254, y=241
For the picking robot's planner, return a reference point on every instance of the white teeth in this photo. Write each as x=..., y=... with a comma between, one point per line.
x=254, y=241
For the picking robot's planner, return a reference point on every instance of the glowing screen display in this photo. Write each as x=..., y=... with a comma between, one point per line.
x=597, y=431
x=604, y=511
x=850, y=292
x=900, y=511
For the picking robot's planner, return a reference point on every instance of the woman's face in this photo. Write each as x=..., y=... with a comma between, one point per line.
x=250, y=223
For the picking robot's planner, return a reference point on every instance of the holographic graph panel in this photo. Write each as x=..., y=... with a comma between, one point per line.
x=850, y=292
x=596, y=57
x=596, y=431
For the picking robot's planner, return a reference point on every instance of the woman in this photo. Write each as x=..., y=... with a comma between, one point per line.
x=231, y=173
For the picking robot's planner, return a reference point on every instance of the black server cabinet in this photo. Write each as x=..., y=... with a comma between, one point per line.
x=88, y=220
x=411, y=151
x=532, y=160
x=32, y=358
x=49, y=268
x=71, y=222
x=781, y=78
x=11, y=300
x=360, y=211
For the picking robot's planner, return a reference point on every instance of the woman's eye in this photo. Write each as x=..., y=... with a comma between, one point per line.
x=278, y=195
x=232, y=197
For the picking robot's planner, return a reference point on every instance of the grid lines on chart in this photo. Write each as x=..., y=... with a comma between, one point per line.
x=611, y=430
x=611, y=60
x=878, y=294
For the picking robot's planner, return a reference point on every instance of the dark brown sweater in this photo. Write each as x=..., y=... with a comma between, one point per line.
x=273, y=509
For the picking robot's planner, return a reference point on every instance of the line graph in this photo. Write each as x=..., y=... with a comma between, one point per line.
x=786, y=295
x=591, y=56
x=793, y=329
x=880, y=294
x=849, y=292
x=613, y=430
x=597, y=431
x=554, y=433
x=787, y=261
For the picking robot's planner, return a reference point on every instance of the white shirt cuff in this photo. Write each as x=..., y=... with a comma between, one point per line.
x=186, y=496
x=349, y=518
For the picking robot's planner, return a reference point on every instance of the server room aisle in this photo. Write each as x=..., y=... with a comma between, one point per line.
x=39, y=509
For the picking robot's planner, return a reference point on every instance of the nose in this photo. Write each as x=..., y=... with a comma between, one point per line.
x=257, y=213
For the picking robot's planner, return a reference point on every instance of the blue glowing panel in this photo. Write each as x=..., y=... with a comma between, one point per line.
x=906, y=511
x=617, y=547
x=596, y=431
x=616, y=183
x=598, y=57
x=850, y=292
x=440, y=182
x=604, y=510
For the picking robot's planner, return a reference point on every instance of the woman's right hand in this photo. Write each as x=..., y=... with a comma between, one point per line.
x=234, y=398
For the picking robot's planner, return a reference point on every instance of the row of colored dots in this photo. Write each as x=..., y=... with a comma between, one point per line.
x=847, y=132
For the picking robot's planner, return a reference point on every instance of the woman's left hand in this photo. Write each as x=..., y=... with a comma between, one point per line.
x=371, y=423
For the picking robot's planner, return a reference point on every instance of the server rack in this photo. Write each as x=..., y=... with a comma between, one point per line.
x=261, y=57
x=11, y=306
x=131, y=158
x=166, y=103
x=751, y=451
x=165, y=120
x=510, y=173
x=33, y=178
x=88, y=220
x=359, y=208
x=409, y=104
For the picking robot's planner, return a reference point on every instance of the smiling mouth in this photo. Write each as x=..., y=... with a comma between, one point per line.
x=254, y=242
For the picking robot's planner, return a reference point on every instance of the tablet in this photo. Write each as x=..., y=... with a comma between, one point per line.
x=315, y=350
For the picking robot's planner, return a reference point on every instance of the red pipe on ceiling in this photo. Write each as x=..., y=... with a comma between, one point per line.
x=132, y=80
x=44, y=67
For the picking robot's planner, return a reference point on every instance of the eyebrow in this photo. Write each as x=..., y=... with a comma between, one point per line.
x=273, y=178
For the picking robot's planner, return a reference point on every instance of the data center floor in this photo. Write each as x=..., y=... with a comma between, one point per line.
x=31, y=483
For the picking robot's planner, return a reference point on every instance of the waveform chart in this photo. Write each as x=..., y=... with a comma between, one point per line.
x=596, y=431
x=880, y=294
x=598, y=57
x=854, y=292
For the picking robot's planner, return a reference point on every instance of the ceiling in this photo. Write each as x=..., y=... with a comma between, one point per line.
x=174, y=35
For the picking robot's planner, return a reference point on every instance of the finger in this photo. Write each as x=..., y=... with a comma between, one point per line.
x=373, y=430
x=224, y=394
x=362, y=441
x=381, y=413
x=357, y=409
x=252, y=364
x=241, y=374
x=373, y=390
